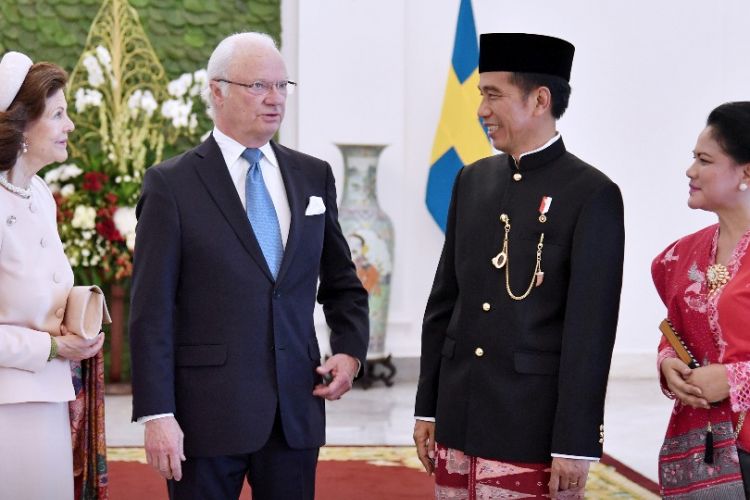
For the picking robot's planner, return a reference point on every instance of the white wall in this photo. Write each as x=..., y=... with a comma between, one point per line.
x=645, y=76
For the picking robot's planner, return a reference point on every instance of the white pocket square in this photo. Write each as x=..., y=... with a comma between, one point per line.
x=315, y=206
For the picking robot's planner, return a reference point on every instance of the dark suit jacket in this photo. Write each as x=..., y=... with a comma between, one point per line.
x=213, y=338
x=538, y=384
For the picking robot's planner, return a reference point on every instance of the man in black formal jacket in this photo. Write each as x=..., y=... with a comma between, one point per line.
x=232, y=239
x=520, y=324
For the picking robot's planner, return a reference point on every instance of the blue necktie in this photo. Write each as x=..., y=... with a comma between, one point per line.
x=261, y=212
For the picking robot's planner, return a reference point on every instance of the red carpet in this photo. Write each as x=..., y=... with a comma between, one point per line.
x=136, y=481
x=364, y=473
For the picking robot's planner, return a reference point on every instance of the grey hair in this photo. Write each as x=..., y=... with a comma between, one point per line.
x=221, y=59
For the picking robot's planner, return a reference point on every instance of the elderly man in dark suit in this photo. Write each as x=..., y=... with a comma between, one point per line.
x=232, y=239
x=519, y=328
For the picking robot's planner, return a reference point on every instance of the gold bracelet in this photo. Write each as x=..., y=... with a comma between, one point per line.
x=52, y=349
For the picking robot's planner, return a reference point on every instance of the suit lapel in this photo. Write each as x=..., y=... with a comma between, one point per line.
x=215, y=176
x=290, y=173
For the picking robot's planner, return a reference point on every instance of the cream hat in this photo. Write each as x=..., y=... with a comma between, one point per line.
x=14, y=67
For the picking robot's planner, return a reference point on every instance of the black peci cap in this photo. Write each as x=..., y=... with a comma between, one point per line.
x=525, y=53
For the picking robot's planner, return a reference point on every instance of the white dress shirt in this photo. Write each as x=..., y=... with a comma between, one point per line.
x=269, y=167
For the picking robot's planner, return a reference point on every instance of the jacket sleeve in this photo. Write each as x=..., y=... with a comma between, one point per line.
x=23, y=348
x=437, y=316
x=344, y=299
x=156, y=267
x=590, y=324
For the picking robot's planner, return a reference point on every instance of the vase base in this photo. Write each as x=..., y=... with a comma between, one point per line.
x=377, y=369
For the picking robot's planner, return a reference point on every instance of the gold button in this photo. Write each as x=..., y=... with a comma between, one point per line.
x=517, y=177
x=479, y=352
x=486, y=306
x=60, y=312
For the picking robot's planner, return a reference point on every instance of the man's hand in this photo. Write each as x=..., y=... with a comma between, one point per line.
x=568, y=475
x=343, y=369
x=424, y=438
x=677, y=374
x=712, y=381
x=163, y=442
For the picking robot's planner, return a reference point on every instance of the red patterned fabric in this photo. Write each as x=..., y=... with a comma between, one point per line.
x=458, y=476
x=709, y=324
x=87, y=429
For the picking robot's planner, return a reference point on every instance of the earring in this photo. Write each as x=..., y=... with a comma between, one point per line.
x=742, y=186
x=25, y=148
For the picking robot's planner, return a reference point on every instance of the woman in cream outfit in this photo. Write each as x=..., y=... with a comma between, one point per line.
x=35, y=278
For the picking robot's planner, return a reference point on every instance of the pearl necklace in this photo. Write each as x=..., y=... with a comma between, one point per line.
x=19, y=191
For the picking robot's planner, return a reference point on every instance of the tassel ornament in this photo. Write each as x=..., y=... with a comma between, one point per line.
x=708, y=455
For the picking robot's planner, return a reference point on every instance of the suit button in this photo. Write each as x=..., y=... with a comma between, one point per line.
x=60, y=312
x=601, y=440
x=43, y=243
x=32, y=208
x=479, y=352
x=276, y=294
x=486, y=307
x=517, y=176
x=56, y=277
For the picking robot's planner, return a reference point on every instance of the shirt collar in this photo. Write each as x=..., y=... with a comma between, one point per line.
x=232, y=150
x=542, y=147
x=551, y=150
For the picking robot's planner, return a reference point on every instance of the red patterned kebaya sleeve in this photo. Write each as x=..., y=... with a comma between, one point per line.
x=738, y=375
x=659, y=275
x=665, y=351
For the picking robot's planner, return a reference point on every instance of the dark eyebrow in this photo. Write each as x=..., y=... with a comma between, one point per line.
x=488, y=87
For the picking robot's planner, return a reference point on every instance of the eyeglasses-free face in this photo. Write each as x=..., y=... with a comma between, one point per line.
x=262, y=87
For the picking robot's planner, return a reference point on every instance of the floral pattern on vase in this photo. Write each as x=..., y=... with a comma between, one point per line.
x=369, y=232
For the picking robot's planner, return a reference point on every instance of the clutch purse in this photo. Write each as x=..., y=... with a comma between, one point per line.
x=86, y=311
x=677, y=344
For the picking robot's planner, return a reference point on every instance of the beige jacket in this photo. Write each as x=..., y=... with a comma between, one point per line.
x=35, y=278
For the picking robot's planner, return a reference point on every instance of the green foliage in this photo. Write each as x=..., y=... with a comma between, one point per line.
x=183, y=33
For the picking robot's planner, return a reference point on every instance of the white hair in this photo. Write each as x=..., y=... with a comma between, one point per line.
x=221, y=59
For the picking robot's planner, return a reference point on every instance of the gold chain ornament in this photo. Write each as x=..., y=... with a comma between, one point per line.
x=502, y=260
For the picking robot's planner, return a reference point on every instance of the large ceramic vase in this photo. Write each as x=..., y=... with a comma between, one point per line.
x=369, y=232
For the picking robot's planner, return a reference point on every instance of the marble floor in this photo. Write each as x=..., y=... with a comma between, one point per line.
x=635, y=418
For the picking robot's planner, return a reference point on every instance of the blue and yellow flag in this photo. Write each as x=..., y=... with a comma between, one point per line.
x=460, y=138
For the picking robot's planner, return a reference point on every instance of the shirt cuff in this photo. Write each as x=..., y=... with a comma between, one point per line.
x=426, y=419
x=574, y=457
x=148, y=418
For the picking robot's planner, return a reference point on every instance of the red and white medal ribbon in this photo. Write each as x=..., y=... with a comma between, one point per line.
x=544, y=208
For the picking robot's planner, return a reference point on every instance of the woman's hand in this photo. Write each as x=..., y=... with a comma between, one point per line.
x=75, y=348
x=677, y=374
x=712, y=381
